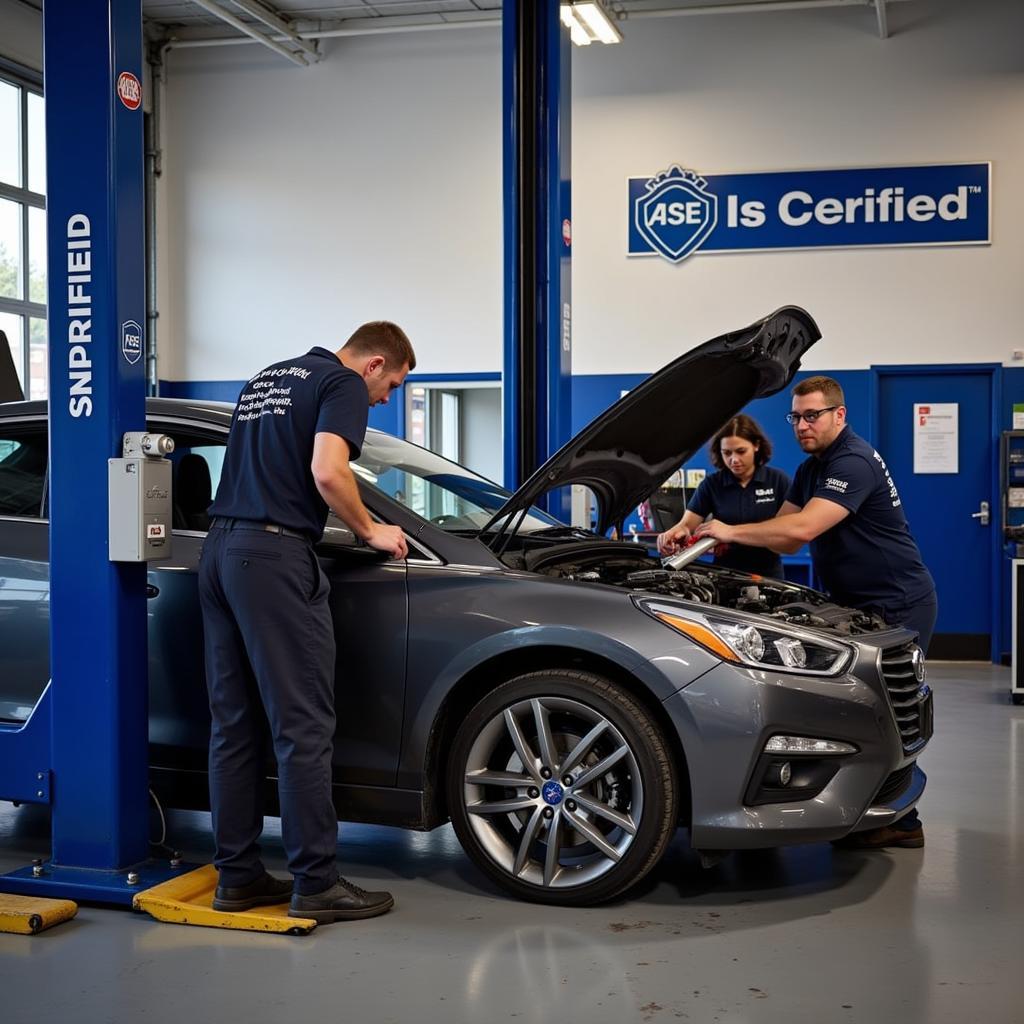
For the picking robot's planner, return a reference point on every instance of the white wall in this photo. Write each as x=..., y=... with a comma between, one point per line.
x=801, y=90
x=300, y=202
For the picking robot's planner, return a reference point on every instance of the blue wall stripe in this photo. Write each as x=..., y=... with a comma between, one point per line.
x=593, y=393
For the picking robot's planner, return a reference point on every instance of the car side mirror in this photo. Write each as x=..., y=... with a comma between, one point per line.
x=340, y=536
x=340, y=543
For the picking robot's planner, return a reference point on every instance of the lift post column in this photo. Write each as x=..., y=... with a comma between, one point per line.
x=536, y=383
x=95, y=774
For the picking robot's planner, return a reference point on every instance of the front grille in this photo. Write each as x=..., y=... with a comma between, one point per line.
x=911, y=701
x=895, y=785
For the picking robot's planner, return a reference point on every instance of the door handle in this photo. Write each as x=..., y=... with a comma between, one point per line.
x=151, y=591
x=983, y=515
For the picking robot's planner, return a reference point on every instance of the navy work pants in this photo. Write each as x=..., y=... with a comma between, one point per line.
x=269, y=649
x=920, y=617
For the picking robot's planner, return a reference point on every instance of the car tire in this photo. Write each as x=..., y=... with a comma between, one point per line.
x=561, y=788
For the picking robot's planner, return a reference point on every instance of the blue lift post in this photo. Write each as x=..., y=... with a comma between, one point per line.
x=84, y=751
x=536, y=95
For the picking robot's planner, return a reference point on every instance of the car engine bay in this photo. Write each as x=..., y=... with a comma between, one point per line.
x=629, y=566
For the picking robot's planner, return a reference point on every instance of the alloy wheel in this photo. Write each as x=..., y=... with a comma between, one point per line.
x=553, y=792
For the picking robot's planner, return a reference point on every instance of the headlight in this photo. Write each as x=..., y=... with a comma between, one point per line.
x=749, y=643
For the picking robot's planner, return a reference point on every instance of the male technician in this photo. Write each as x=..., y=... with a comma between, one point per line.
x=844, y=503
x=269, y=634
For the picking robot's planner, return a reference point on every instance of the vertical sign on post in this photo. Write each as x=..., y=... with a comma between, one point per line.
x=97, y=774
x=93, y=71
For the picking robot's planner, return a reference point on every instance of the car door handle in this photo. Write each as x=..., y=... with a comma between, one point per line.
x=151, y=591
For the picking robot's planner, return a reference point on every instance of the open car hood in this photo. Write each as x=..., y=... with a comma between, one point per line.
x=637, y=443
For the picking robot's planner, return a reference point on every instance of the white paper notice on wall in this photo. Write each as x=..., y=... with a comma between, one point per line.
x=936, y=437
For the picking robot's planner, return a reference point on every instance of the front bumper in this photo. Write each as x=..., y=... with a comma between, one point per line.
x=725, y=718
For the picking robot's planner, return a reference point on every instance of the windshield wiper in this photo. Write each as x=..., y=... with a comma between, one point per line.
x=564, y=531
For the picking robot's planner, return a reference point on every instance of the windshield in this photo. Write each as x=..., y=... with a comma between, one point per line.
x=447, y=494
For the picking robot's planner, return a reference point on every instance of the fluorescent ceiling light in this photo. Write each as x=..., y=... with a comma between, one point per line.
x=589, y=21
x=577, y=33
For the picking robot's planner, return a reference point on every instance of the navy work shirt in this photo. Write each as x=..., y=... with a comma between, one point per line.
x=869, y=560
x=267, y=473
x=722, y=496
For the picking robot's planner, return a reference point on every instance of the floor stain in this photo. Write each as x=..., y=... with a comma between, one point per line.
x=626, y=926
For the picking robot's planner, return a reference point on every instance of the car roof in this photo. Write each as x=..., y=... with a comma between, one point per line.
x=209, y=411
x=212, y=412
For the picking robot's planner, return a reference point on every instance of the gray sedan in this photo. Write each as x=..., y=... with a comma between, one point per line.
x=565, y=700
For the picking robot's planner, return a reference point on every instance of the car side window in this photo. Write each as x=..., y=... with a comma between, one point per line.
x=196, y=465
x=23, y=457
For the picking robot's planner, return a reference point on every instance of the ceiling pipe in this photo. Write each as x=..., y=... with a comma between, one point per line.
x=745, y=8
x=338, y=33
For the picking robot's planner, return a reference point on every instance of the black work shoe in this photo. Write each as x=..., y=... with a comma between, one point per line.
x=882, y=838
x=342, y=902
x=261, y=893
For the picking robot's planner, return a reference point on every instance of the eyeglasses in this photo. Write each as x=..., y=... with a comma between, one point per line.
x=810, y=416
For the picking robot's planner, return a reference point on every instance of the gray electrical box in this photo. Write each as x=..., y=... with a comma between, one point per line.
x=140, y=499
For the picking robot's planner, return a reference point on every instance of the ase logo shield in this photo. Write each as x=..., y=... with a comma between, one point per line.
x=131, y=341
x=676, y=213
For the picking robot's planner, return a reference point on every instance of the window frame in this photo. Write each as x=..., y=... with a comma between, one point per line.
x=28, y=82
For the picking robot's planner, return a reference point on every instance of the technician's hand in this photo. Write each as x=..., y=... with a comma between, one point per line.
x=389, y=539
x=717, y=529
x=673, y=539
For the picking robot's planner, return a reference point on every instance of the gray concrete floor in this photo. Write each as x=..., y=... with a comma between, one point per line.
x=807, y=934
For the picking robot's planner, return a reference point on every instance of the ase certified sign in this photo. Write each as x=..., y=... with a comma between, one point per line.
x=131, y=341
x=679, y=212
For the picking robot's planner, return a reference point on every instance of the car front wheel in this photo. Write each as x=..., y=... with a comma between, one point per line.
x=561, y=788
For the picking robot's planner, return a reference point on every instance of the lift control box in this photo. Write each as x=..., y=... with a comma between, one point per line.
x=140, y=499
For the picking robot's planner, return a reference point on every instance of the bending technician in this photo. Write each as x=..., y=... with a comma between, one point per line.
x=269, y=635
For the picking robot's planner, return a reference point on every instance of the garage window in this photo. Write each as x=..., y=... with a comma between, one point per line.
x=23, y=228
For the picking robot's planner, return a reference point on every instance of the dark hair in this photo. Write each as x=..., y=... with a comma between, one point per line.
x=829, y=388
x=383, y=338
x=746, y=427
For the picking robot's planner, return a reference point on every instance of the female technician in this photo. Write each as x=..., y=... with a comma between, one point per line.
x=744, y=490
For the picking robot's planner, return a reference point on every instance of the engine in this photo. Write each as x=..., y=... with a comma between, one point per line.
x=615, y=565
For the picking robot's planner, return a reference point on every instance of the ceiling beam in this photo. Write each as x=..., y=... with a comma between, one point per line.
x=234, y=22
x=273, y=20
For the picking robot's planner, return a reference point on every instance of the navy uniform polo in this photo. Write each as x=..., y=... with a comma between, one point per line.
x=869, y=560
x=267, y=623
x=722, y=496
x=267, y=475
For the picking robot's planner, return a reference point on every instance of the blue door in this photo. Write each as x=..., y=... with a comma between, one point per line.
x=958, y=544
